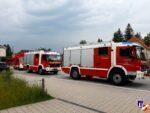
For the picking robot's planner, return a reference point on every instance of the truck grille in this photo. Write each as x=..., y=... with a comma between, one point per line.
x=54, y=65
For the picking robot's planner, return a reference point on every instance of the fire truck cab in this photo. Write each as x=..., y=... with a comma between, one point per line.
x=117, y=62
x=17, y=60
x=42, y=62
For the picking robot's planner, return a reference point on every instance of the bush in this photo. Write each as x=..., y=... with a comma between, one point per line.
x=16, y=92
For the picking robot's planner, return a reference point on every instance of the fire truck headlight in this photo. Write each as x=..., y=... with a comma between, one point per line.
x=47, y=68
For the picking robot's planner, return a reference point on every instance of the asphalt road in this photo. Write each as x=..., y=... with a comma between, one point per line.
x=138, y=84
x=97, y=95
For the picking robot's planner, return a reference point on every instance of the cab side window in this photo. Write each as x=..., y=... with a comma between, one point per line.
x=125, y=52
x=44, y=57
x=36, y=59
x=103, y=51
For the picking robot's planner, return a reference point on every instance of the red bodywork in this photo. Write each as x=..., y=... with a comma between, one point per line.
x=131, y=64
x=102, y=63
x=17, y=59
x=44, y=62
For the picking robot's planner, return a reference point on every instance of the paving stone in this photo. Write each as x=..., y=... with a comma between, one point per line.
x=84, y=97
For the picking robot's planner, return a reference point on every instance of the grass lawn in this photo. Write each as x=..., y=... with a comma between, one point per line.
x=16, y=92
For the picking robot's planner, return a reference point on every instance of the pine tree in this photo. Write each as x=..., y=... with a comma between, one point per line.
x=147, y=39
x=129, y=32
x=118, y=36
x=82, y=42
x=49, y=49
x=99, y=40
x=44, y=49
x=138, y=35
x=8, y=51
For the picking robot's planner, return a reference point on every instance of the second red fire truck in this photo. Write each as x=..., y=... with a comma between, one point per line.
x=17, y=60
x=42, y=61
x=117, y=62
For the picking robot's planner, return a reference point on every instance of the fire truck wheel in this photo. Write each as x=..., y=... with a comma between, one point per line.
x=55, y=72
x=75, y=74
x=40, y=71
x=118, y=78
x=28, y=70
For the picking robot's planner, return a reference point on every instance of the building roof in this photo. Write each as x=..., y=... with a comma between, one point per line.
x=1, y=46
x=139, y=41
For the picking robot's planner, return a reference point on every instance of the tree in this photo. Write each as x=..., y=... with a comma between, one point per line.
x=99, y=40
x=138, y=35
x=41, y=48
x=8, y=51
x=49, y=49
x=129, y=32
x=44, y=49
x=82, y=42
x=147, y=39
x=23, y=50
x=118, y=36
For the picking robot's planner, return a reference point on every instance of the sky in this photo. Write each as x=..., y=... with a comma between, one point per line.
x=31, y=24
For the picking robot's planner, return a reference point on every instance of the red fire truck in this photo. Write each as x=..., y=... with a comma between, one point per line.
x=17, y=60
x=117, y=62
x=42, y=61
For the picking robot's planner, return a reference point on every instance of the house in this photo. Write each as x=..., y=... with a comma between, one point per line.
x=2, y=51
x=146, y=50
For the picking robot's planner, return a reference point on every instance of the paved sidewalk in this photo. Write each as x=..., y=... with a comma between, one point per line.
x=85, y=97
x=52, y=106
x=106, y=98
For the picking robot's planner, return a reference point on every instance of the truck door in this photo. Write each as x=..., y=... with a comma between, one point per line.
x=36, y=59
x=44, y=61
x=126, y=57
x=102, y=57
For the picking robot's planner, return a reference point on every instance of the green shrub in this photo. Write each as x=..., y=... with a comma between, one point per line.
x=16, y=92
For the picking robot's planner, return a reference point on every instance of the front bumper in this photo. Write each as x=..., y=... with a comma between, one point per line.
x=20, y=66
x=131, y=77
x=137, y=74
x=50, y=69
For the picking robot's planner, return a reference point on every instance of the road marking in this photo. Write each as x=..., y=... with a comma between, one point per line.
x=73, y=103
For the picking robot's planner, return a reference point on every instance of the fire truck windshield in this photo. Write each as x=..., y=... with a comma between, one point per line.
x=130, y=52
x=53, y=57
x=139, y=53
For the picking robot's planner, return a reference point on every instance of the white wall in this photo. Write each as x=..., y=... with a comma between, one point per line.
x=87, y=58
x=66, y=57
x=2, y=52
x=147, y=54
x=75, y=57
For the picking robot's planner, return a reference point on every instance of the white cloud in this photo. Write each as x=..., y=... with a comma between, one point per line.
x=68, y=20
x=11, y=16
x=43, y=5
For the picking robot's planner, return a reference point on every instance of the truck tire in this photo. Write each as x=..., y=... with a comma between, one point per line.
x=118, y=78
x=75, y=74
x=28, y=69
x=55, y=72
x=40, y=71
